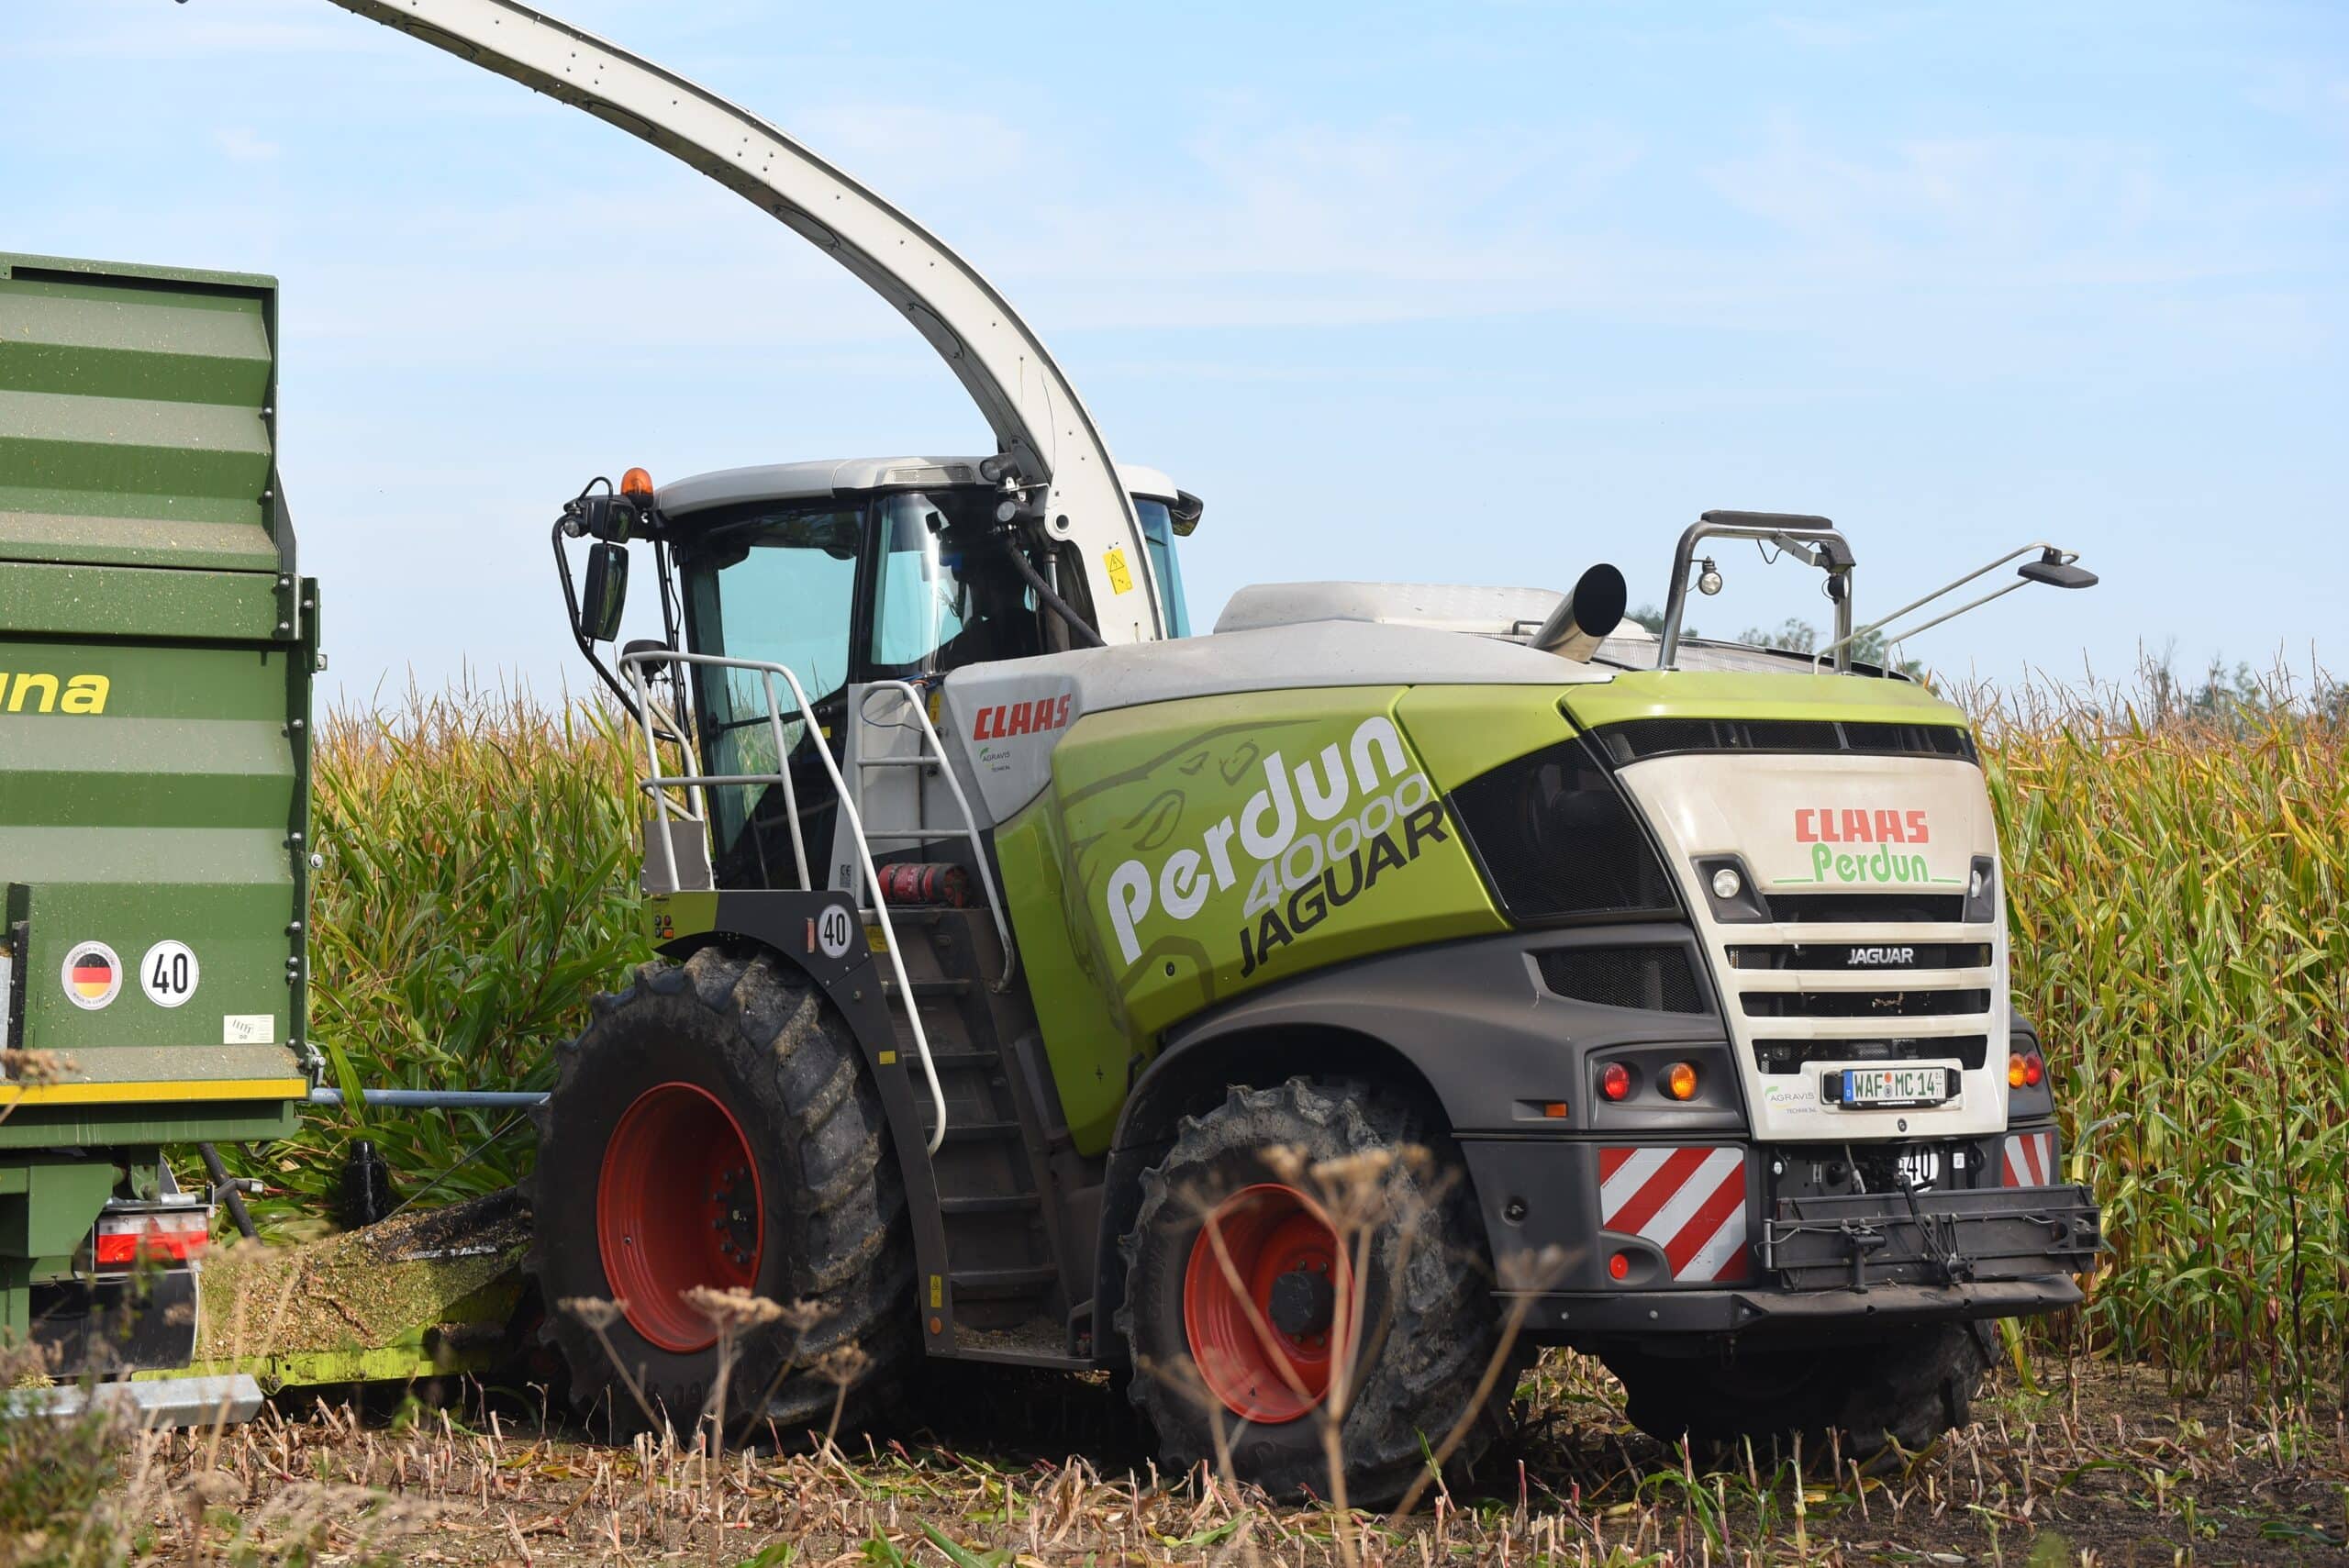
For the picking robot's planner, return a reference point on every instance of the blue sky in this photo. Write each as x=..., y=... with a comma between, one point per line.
x=1472, y=293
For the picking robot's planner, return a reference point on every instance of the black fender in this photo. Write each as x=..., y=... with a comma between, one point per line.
x=1470, y=1026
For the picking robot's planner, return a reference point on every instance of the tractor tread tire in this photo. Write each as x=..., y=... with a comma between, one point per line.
x=837, y=1232
x=1441, y=1331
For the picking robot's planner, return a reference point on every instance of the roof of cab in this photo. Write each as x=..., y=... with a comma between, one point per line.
x=841, y=477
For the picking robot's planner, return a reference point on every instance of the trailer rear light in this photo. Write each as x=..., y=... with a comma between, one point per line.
x=2025, y=1070
x=1615, y=1081
x=637, y=484
x=1680, y=1081
x=123, y=1239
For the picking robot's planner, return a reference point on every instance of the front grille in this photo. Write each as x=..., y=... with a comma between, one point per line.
x=1657, y=978
x=1867, y=909
x=1892, y=958
x=1864, y=1004
x=1639, y=739
x=1780, y=1056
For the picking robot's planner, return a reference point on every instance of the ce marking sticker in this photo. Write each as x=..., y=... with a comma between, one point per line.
x=168, y=974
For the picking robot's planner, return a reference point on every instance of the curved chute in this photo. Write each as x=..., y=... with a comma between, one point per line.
x=1035, y=413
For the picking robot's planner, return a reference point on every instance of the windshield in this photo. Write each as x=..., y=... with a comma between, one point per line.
x=919, y=602
x=778, y=587
x=1158, y=532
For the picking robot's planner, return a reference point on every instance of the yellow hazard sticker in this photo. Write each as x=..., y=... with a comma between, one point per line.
x=937, y=1292
x=936, y=703
x=888, y=1058
x=1121, y=581
x=875, y=939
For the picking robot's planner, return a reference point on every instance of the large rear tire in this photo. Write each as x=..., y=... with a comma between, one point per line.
x=1907, y=1390
x=715, y=1127
x=1250, y=1338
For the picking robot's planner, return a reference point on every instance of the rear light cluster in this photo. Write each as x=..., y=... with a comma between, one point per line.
x=2025, y=1070
x=1677, y=1081
x=169, y=1236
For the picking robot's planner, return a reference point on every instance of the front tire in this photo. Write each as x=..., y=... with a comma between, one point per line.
x=715, y=1127
x=1907, y=1391
x=1351, y=1269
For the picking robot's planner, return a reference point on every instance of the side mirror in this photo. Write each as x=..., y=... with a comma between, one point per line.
x=604, y=592
x=1183, y=513
x=2054, y=570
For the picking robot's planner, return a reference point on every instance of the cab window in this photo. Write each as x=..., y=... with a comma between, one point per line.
x=1158, y=532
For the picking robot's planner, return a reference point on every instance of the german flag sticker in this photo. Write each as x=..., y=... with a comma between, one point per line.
x=93, y=975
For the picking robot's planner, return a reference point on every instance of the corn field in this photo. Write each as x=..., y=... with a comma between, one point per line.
x=2175, y=889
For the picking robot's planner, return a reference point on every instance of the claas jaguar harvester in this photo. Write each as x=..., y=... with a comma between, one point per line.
x=1308, y=1019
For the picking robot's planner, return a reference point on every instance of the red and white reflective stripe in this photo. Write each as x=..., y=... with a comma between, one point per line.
x=2030, y=1161
x=1690, y=1202
x=177, y=1235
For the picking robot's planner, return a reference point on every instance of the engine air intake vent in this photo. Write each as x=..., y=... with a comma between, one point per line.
x=1849, y=908
x=1864, y=1004
x=1891, y=958
x=1657, y=978
x=1639, y=739
x=1556, y=839
x=1778, y=1056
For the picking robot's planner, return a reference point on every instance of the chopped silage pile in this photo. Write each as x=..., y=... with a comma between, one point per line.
x=361, y=1290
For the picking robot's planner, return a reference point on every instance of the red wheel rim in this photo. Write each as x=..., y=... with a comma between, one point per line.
x=1266, y=1349
x=677, y=1204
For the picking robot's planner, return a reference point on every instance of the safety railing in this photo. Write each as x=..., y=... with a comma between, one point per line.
x=657, y=784
x=934, y=755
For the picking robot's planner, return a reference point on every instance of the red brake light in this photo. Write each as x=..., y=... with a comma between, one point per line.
x=123, y=1238
x=2034, y=1070
x=1615, y=1081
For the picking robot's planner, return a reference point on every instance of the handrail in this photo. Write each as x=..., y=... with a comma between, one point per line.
x=636, y=662
x=971, y=823
x=1786, y=531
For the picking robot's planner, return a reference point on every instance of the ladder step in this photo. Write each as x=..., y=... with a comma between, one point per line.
x=992, y=1203
x=976, y=1131
x=943, y=1059
x=994, y=1285
x=930, y=988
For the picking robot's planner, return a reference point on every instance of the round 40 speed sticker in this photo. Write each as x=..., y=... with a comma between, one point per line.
x=91, y=975
x=168, y=974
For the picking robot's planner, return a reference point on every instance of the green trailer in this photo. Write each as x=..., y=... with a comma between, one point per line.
x=157, y=644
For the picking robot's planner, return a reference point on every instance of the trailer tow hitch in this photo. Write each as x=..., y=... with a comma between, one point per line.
x=1937, y=1236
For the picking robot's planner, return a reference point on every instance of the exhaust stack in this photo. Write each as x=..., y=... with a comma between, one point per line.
x=1584, y=616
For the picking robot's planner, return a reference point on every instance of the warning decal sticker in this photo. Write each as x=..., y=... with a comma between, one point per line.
x=93, y=975
x=1121, y=579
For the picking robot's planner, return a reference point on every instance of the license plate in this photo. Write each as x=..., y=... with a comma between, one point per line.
x=1870, y=1087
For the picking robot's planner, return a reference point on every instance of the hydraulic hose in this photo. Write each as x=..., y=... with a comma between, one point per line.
x=229, y=1194
x=1050, y=598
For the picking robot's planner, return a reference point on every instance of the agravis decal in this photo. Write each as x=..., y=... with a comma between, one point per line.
x=1380, y=814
